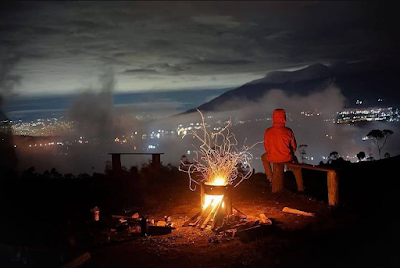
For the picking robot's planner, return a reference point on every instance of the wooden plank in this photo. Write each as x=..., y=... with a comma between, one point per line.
x=312, y=167
x=296, y=211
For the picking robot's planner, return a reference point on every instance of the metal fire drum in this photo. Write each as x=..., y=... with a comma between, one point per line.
x=225, y=190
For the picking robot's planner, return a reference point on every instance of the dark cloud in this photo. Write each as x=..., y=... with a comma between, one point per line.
x=224, y=62
x=141, y=71
x=213, y=38
x=169, y=68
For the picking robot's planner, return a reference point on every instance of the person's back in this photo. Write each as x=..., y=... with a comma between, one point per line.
x=279, y=141
x=280, y=146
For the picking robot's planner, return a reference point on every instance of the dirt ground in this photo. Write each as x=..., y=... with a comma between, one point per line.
x=192, y=247
x=362, y=232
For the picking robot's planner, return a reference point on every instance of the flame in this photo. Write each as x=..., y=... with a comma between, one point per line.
x=218, y=181
x=212, y=200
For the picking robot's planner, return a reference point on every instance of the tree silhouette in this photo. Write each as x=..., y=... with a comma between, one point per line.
x=334, y=159
x=361, y=155
x=379, y=138
x=333, y=156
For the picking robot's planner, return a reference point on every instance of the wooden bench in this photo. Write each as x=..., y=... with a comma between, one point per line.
x=116, y=159
x=332, y=179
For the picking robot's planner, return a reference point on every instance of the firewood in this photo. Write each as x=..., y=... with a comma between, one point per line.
x=161, y=223
x=203, y=214
x=264, y=219
x=215, y=217
x=210, y=216
x=218, y=221
x=296, y=211
x=242, y=225
x=224, y=226
x=124, y=217
x=191, y=220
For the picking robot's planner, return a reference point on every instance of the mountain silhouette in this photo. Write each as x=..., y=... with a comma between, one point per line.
x=364, y=80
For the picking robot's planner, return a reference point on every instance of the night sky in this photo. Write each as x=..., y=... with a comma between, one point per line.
x=61, y=47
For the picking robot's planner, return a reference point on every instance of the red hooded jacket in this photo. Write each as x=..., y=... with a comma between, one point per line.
x=279, y=141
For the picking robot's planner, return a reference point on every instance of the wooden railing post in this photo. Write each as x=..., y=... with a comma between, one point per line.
x=298, y=175
x=277, y=177
x=116, y=162
x=156, y=160
x=333, y=188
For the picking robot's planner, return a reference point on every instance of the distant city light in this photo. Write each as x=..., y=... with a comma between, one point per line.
x=372, y=114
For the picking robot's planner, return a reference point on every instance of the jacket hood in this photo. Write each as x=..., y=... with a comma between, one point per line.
x=279, y=116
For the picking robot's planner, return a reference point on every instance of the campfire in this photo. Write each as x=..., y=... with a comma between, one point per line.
x=217, y=168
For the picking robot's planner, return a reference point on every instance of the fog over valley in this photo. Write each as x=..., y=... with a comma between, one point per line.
x=101, y=128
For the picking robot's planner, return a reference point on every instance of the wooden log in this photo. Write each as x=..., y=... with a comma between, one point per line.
x=277, y=177
x=211, y=215
x=198, y=218
x=264, y=219
x=215, y=215
x=296, y=211
x=161, y=223
x=333, y=188
x=191, y=220
x=203, y=214
x=218, y=221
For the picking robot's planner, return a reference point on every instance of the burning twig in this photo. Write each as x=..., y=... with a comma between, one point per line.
x=218, y=161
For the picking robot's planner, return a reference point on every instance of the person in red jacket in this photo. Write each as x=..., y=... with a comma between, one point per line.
x=280, y=146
